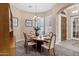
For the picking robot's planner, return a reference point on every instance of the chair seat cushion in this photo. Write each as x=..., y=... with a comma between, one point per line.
x=31, y=43
x=44, y=46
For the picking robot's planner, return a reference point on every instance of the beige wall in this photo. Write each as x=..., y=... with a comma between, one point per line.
x=55, y=11
x=68, y=14
x=56, y=19
x=16, y=13
x=22, y=15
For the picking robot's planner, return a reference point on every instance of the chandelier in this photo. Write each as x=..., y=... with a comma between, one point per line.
x=35, y=16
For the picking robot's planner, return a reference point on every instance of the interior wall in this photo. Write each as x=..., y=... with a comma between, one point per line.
x=69, y=14
x=22, y=15
x=58, y=27
x=54, y=12
x=68, y=26
x=56, y=19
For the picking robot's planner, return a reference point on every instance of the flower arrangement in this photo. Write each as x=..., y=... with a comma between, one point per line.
x=36, y=30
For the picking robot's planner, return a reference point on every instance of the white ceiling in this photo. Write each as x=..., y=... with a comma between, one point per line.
x=73, y=6
x=34, y=7
x=73, y=9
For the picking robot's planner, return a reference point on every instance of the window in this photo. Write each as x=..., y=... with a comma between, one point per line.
x=45, y=24
x=75, y=26
x=48, y=24
x=40, y=23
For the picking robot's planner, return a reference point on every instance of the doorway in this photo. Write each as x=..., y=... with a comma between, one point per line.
x=63, y=28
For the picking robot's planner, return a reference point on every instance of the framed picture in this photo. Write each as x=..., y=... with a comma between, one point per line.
x=15, y=21
x=28, y=23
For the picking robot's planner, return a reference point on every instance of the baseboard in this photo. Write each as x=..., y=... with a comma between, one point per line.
x=19, y=40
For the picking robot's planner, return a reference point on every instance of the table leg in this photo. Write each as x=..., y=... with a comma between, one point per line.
x=39, y=43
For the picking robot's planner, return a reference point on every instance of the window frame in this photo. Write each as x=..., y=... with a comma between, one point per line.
x=72, y=19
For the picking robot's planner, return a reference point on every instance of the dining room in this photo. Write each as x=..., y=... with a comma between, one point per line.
x=35, y=28
x=50, y=30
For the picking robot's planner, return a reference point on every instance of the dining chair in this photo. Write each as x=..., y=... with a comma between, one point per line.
x=28, y=43
x=32, y=35
x=50, y=44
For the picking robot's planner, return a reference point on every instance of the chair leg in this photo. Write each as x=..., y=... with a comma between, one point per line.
x=24, y=46
x=26, y=49
x=49, y=52
x=54, y=51
x=33, y=47
x=41, y=50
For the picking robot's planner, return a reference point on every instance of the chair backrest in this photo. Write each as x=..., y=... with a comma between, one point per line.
x=32, y=34
x=52, y=40
x=25, y=37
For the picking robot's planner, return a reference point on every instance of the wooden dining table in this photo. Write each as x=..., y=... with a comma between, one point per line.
x=39, y=40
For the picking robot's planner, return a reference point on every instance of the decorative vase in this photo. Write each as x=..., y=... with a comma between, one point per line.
x=36, y=33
